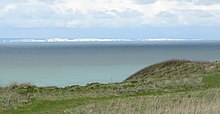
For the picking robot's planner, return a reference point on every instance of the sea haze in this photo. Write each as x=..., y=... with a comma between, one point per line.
x=62, y=64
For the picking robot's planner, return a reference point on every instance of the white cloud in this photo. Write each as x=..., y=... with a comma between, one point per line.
x=108, y=13
x=8, y=8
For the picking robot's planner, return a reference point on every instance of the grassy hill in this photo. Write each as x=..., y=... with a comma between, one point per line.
x=175, y=69
x=175, y=86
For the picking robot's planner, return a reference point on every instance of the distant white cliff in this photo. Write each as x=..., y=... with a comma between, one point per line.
x=93, y=40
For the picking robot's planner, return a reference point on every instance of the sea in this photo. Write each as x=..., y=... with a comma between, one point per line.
x=79, y=63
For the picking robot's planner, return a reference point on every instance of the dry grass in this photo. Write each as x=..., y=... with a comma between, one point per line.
x=19, y=84
x=197, y=102
x=13, y=100
x=10, y=98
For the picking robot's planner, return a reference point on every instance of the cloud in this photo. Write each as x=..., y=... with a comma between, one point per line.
x=108, y=13
x=204, y=2
x=144, y=1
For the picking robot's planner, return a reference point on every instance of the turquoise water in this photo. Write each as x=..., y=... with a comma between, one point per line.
x=63, y=64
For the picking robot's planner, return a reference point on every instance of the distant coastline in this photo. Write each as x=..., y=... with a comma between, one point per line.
x=8, y=40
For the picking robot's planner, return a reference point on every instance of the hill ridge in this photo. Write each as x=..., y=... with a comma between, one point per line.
x=173, y=68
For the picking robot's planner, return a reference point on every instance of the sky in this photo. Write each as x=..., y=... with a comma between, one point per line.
x=133, y=19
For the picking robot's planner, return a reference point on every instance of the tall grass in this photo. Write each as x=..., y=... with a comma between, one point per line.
x=199, y=102
x=15, y=95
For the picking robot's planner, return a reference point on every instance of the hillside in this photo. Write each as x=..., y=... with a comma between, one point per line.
x=175, y=69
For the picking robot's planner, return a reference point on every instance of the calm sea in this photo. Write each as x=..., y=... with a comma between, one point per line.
x=63, y=64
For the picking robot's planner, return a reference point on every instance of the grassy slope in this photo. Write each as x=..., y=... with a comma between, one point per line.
x=174, y=69
x=190, y=101
x=157, y=80
x=193, y=102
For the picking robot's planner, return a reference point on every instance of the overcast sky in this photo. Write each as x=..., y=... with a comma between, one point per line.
x=110, y=18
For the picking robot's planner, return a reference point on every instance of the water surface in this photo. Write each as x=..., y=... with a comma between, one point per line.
x=62, y=64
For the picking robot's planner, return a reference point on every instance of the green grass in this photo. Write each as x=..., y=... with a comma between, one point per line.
x=212, y=80
x=61, y=106
x=191, y=102
x=52, y=107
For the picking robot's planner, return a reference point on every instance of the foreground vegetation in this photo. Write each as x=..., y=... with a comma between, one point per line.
x=169, y=87
x=192, y=102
